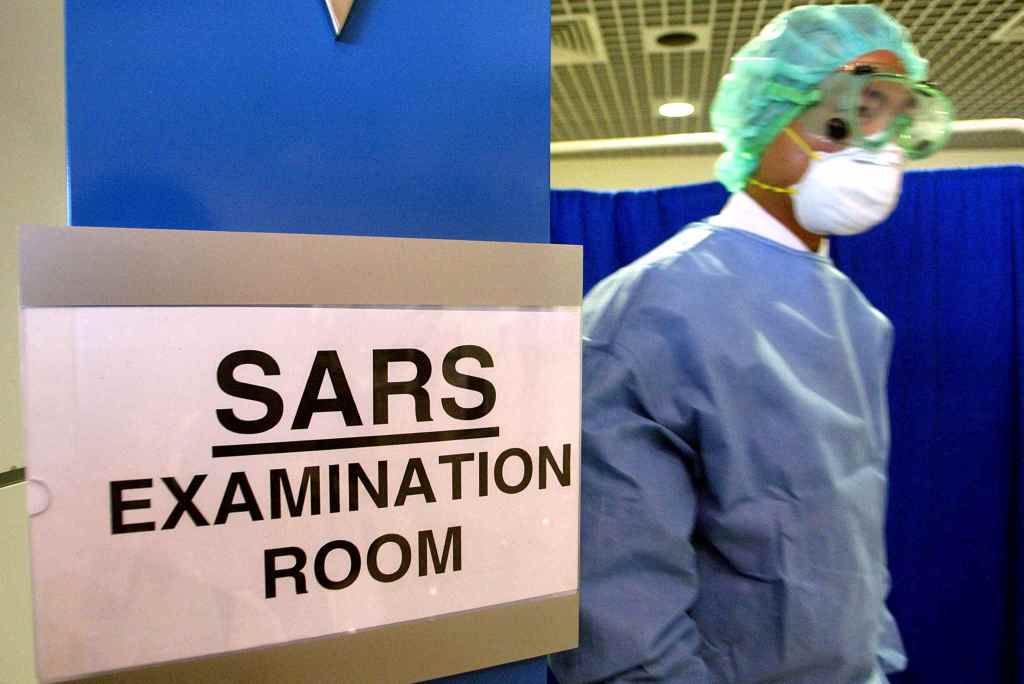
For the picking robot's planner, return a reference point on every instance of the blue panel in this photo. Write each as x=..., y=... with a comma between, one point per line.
x=427, y=119
x=948, y=269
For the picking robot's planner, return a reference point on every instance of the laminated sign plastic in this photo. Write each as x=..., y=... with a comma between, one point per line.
x=210, y=478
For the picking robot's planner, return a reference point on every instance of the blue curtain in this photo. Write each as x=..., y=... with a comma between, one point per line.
x=948, y=269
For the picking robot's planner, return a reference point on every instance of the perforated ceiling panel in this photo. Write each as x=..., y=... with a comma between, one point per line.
x=976, y=49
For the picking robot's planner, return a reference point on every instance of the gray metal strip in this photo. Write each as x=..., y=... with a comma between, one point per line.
x=169, y=267
x=12, y=477
x=406, y=652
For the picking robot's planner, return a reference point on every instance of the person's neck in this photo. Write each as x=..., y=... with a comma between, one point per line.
x=780, y=206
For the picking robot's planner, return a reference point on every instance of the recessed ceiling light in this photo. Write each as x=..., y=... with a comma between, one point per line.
x=676, y=110
x=677, y=39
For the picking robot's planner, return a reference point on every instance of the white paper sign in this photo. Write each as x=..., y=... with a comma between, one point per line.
x=221, y=478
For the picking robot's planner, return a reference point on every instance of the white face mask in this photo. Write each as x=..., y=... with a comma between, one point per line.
x=848, y=192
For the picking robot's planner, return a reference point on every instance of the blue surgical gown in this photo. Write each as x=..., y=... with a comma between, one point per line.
x=735, y=445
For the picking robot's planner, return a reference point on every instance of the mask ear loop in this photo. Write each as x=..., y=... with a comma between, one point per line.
x=802, y=144
x=773, y=188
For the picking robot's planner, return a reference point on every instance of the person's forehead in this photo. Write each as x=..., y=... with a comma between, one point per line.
x=884, y=60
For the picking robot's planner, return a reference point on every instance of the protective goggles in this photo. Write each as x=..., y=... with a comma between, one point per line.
x=862, y=108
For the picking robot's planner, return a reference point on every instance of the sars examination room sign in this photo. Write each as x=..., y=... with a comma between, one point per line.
x=311, y=436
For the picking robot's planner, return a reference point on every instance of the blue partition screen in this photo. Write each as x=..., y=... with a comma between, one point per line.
x=948, y=270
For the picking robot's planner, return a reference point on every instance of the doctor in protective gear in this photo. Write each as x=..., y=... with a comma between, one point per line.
x=735, y=425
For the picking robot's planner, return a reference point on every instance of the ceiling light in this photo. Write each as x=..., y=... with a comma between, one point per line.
x=677, y=39
x=676, y=109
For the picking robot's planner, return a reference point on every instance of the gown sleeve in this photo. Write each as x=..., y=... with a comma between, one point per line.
x=638, y=567
x=891, y=656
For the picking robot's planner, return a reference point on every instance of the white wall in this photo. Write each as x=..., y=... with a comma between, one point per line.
x=650, y=171
x=16, y=659
x=33, y=177
x=33, y=182
x=613, y=173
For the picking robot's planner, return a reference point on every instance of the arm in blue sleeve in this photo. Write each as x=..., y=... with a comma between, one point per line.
x=638, y=567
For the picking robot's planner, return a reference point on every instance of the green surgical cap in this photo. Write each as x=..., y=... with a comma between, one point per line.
x=771, y=74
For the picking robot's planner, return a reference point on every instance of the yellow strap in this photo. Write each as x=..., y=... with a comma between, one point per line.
x=773, y=188
x=801, y=143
